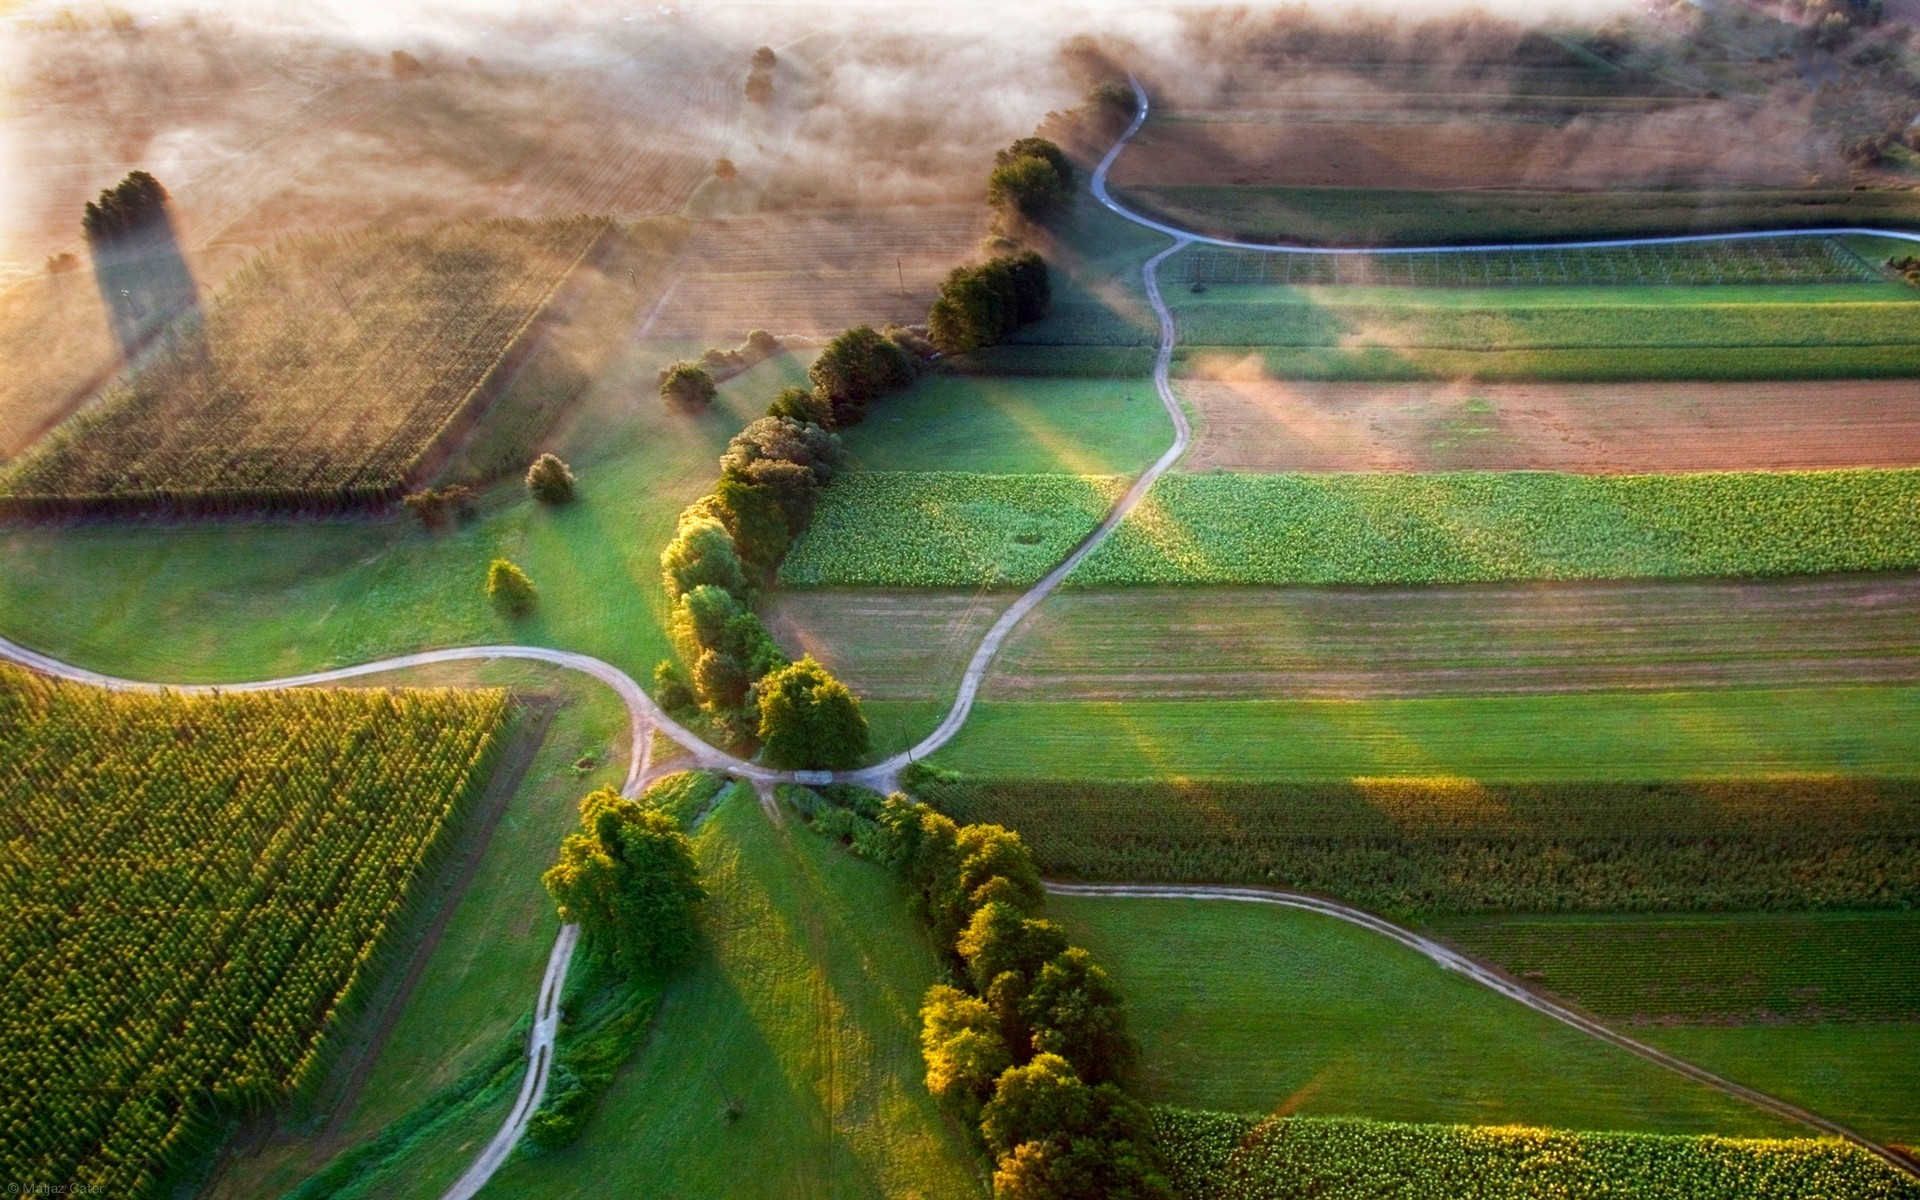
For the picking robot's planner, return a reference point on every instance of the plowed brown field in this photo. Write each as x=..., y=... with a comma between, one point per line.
x=1248, y=643
x=1268, y=425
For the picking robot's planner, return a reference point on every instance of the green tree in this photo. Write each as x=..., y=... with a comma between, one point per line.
x=510, y=589
x=1040, y=148
x=686, y=385
x=1029, y=187
x=960, y=1040
x=549, y=480
x=802, y=405
x=1075, y=1011
x=1001, y=940
x=1032, y=288
x=808, y=719
x=720, y=681
x=754, y=516
x=856, y=368
x=671, y=689
x=629, y=881
x=701, y=552
x=1059, y=1138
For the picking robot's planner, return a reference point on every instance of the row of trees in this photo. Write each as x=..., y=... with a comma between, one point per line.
x=980, y=305
x=728, y=543
x=1033, y=1044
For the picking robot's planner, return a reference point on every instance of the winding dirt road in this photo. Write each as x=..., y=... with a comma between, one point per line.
x=646, y=716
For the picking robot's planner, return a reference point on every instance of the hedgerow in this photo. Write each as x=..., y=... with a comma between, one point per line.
x=199, y=885
x=946, y=528
x=1459, y=527
x=1414, y=846
x=1220, y=1156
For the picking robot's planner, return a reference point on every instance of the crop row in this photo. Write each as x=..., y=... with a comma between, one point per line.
x=939, y=528
x=328, y=367
x=1480, y=526
x=1830, y=966
x=194, y=886
x=1222, y=1156
x=1774, y=260
x=1415, y=846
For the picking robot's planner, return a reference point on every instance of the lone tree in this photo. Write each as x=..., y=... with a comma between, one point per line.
x=549, y=480
x=764, y=59
x=629, y=881
x=686, y=385
x=808, y=719
x=510, y=589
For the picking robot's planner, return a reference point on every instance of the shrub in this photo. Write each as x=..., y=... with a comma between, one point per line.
x=764, y=58
x=802, y=405
x=436, y=507
x=808, y=719
x=686, y=385
x=723, y=168
x=1114, y=96
x=628, y=879
x=549, y=480
x=510, y=589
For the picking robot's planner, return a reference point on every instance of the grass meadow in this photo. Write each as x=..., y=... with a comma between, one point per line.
x=1634, y=737
x=1858, y=1074
x=802, y=1008
x=1024, y=426
x=1256, y=1009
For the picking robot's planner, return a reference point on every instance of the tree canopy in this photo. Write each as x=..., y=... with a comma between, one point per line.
x=687, y=385
x=628, y=879
x=809, y=720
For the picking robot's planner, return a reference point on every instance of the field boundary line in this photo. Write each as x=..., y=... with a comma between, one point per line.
x=1489, y=977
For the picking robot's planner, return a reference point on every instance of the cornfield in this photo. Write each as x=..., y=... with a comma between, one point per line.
x=1221, y=1156
x=325, y=376
x=1419, y=846
x=194, y=889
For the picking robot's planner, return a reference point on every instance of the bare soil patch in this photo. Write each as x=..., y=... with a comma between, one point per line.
x=1272, y=425
x=816, y=273
x=1702, y=144
x=1355, y=643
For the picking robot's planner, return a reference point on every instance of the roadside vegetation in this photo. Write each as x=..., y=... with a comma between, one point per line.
x=192, y=993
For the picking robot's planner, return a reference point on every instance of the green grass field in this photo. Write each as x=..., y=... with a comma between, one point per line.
x=935, y=528
x=1451, y=845
x=802, y=1009
x=1676, y=735
x=1250, y=1008
x=1749, y=968
x=1731, y=364
x=1367, y=216
x=1473, y=526
x=221, y=603
x=1860, y=1075
x=1014, y=427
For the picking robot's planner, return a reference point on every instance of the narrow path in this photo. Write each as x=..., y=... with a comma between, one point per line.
x=1488, y=977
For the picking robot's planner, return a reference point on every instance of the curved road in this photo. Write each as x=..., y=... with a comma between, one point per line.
x=645, y=715
x=1486, y=976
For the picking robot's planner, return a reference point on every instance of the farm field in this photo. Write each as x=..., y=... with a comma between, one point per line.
x=935, y=528
x=216, y=604
x=1412, y=216
x=1257, y=425
x=1462, y=527
x=121, y=796
x=1249, y=1008
x=1022, y=426
x=282, y=400
x=477, y=979
x=802, y=1008
x=1710, y=969
x=1222, y=1156
x=1369, y=643
x=1858, y=1074
x=1448, y=845
x=1863, y=731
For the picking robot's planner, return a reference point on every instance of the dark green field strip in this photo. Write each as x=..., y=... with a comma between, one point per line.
x=1856, y=966
x=1369, y=216
x=1454, y=845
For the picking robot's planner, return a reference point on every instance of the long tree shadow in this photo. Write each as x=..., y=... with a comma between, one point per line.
x=144, y=280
